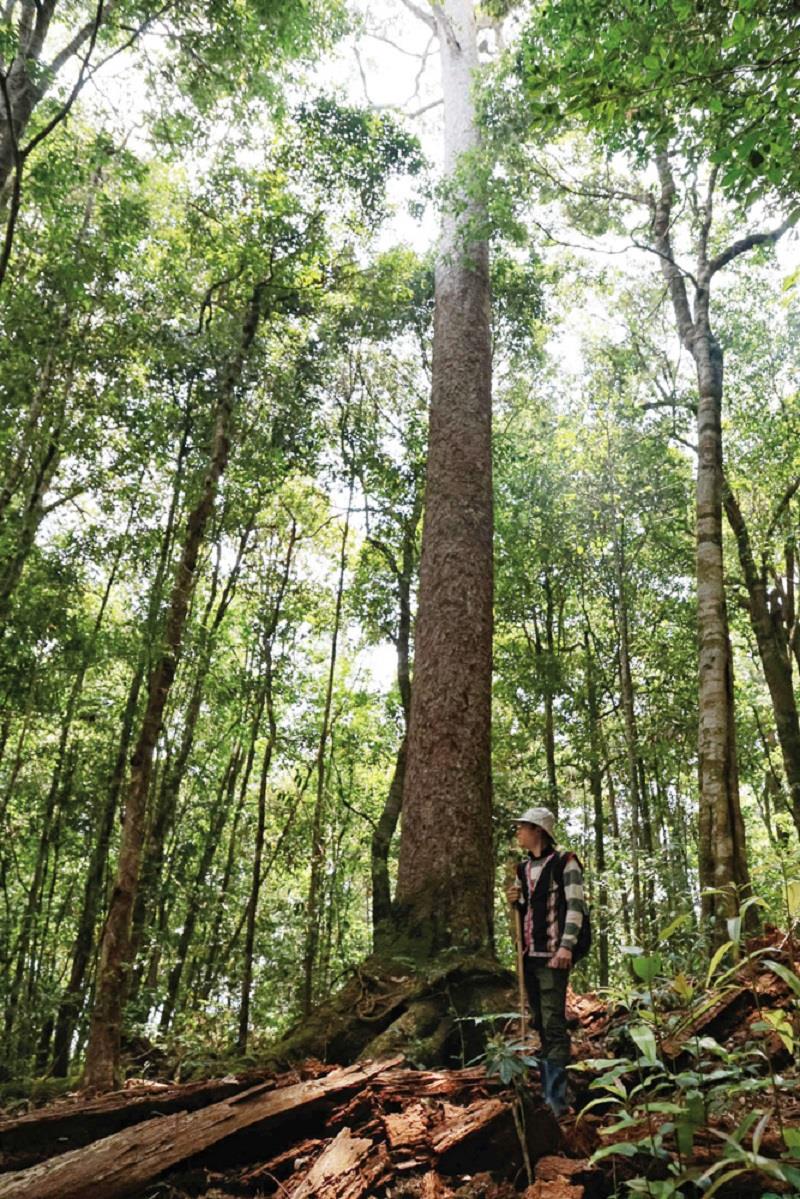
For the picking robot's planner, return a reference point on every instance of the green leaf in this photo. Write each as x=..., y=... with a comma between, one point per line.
x=715, y=961
x=646, y=967
x=791, y=1139
x=623, y=1149
x=793, y=885
x=674, y=925
x=645, y=1039
x=684, y=1136
x=786, y=975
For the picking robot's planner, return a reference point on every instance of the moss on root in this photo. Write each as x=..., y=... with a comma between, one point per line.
x=391, y=1005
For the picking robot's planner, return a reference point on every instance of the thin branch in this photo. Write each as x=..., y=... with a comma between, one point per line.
x=418, y=112
x=667, y=258
x=786, y=499
x=706, y=220
x=662, y=214
x=73, y=46
x=381, y=37
x=16, y=193
x=751, y=241
x=421, y=14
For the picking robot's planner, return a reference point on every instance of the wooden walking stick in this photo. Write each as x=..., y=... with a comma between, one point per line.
x=516, y=930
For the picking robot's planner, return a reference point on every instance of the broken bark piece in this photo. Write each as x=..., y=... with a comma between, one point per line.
x=346, y=1169
x=575, y=1171
x=559, y=1188
x=550, y=1167
x=121, y=1164
x=420, y=1083
x=462, y=1123
x=295, y=1157
x=409, y=1128
x=716, y=1019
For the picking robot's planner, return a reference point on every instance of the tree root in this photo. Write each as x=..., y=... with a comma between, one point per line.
x=387, y=1008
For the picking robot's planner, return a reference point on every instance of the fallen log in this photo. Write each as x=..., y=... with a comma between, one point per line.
x=69, y=1125
x=121, y=1164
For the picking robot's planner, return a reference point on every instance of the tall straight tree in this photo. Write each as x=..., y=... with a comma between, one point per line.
x=445, y=873
x=116, y=950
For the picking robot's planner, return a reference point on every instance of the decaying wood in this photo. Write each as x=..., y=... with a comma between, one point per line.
x=432, y=1186
x=346, y=1169
x=461, y=1123
x=559, y=1188
x=409, y=1128
x=711, y=1019
x=64, y=1126
x=119, y=1165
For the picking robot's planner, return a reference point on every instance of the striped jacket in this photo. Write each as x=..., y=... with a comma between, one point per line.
x=552, y=916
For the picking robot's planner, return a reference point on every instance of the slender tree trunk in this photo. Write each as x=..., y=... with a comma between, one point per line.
x=102, y=1055
x=387, y=821
x=724, y=876
x=596, y=789
x=631, y=731
x=31, y=518
x=773, y=649
x=549, y=696
x=317, y=823
x=258, y=855
x=72, y=1000
x=215, y=940
x=445, y=875
x=217, y=823
x=272, y=736
x=173, y=775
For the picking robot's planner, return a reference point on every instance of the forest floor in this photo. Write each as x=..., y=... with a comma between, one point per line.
x=681, y=1090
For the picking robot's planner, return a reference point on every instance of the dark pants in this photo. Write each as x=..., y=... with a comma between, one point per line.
x=547, y=995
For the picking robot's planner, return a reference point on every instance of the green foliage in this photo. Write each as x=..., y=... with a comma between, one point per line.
x=719, y=77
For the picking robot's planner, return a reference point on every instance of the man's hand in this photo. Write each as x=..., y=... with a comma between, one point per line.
x=514, y=893
x=561, y=959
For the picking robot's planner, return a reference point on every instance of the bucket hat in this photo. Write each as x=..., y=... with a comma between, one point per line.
x=541, y=816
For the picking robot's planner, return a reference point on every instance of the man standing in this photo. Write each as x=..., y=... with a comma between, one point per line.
x=549, y=894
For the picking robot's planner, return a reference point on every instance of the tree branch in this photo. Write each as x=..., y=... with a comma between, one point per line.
x=421, y=14
x=751, y=241
x=786, y=499
x=661, y=225
x=73, y=46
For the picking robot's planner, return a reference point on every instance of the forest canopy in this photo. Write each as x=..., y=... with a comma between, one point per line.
x=357, y=494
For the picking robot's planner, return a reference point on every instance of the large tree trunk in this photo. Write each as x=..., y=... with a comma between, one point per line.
x=445, y=875
x=102, y=1056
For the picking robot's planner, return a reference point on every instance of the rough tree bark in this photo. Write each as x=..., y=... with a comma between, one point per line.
x=102, y=1055
x=445, y=874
